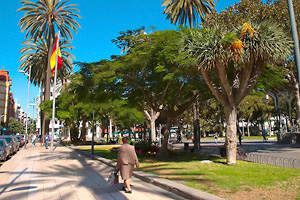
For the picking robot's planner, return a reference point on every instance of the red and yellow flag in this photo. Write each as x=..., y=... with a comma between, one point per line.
x=53, y=57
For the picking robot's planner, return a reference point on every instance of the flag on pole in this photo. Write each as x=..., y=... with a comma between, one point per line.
x=56, y=50
x=56, y=63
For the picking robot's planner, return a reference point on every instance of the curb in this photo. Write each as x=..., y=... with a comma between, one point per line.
x=171, y=186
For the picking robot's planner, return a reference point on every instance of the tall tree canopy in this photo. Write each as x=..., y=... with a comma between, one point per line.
x=40, y=21
x=154, y=79
x=183, y=11
x=35, y=55
x=232, y=61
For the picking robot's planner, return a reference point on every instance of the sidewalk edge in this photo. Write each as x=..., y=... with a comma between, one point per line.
x=177, y=188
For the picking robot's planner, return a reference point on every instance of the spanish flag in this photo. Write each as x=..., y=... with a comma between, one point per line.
x=54, y=56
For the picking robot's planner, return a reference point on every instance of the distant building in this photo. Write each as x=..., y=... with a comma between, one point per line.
x=7, y=104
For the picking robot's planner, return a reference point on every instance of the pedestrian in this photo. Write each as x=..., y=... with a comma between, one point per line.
x=47, y=139
x=216, y=138
x=240, y=139
x=179, y=138
x=33, y=140
x=127, y=158
x=264, y=136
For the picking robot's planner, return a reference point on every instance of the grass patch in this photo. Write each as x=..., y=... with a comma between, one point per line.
x=246, y=137
x=216, y=177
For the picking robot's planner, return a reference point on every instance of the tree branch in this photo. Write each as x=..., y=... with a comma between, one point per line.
x=244, y=80
x=165, y=91
x=222, y=74
x=255, y=74
x=216, y=92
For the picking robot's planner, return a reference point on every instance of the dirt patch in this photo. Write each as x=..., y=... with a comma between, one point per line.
x=259, y=194
x=286, y=191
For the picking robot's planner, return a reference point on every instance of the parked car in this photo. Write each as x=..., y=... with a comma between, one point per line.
x=18, y=143
x=11, y=141
x=4, y=150
x=24, y=137
x=21, y=140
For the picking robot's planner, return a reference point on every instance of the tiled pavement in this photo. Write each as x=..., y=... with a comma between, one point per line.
x=35, y=173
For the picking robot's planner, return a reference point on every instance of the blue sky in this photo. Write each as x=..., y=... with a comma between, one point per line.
x=101, y=22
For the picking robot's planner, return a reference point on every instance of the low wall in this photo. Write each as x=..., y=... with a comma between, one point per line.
x=289, y=138
x=273, y=160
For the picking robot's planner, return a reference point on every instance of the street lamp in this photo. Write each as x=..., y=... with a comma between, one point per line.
x=93, y=128
x=27, y=74
x=294, y=36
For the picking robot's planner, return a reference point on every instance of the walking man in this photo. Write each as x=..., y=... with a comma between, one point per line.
x=47, y=138
x=216, y=138
x=33, y=140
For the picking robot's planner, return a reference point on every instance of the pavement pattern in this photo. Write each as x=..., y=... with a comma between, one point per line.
x=35, y=173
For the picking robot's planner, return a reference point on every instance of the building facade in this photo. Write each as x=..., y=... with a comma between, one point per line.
x=7, y=103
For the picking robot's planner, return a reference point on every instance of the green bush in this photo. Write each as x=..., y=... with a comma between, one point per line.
x=145, y=148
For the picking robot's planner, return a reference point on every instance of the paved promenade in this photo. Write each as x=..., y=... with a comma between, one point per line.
x=36, y=173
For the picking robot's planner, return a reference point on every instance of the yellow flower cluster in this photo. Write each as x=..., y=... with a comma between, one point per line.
x=247, y=28
x=237, y=45
x=236, y=48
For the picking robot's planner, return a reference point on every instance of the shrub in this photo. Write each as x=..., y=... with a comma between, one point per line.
x=145, y=148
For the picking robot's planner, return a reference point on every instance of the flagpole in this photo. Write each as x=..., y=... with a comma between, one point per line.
x=54, y=91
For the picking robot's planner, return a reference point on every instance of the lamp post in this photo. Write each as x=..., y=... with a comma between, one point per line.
x=26, y=122
x=93, y=128
x=295, y=36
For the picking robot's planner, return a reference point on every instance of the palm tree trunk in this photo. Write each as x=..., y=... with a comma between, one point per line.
x=230, y=141
x=46, y=120
x=190, y=15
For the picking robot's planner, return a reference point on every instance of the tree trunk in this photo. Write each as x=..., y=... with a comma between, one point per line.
x=298, y=105
x=248, y=128
x=180, y=130
x=152, y=128
x=152, y=117
x=196, y=129
x=230, y=140
x=74, y=133
x=83, y=131
x=145, y=133
x=164, y=147
x=46, y=121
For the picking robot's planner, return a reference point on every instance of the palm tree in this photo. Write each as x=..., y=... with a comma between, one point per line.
x=179, y=11
x=42, y=17
x=232, y=62
x=35, y=55
x=40, y=20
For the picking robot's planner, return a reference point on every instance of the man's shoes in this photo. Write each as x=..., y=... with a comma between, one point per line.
x=123, y=188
